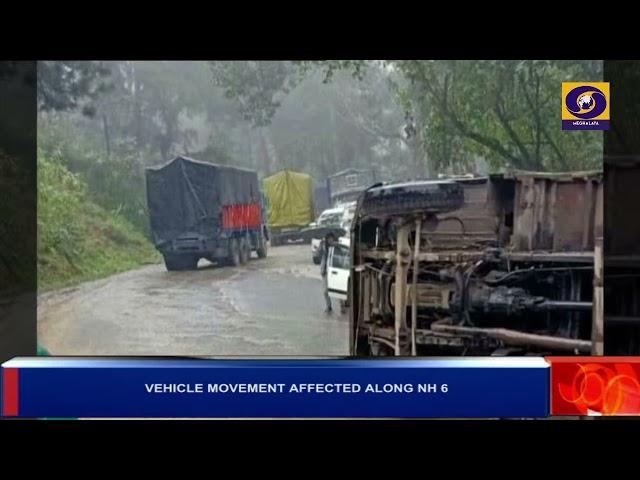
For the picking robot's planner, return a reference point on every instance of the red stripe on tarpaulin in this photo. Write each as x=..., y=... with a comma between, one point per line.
x=10, y=392
x=595, y=385
x=241, y=216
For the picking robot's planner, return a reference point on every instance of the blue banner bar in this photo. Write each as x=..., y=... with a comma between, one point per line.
x=338, y=388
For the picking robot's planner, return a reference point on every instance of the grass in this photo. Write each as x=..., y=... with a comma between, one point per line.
x=78, y=240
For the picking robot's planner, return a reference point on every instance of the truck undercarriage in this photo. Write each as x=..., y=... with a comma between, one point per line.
x=502, y=265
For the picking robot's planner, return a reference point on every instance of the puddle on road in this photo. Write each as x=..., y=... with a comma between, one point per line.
x=272, y=306
x=291, y=309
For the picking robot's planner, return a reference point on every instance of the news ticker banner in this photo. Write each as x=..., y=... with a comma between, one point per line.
x=487, y=387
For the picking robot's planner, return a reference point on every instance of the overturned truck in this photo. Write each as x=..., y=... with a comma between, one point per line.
x=202, y=210
x=508, y=264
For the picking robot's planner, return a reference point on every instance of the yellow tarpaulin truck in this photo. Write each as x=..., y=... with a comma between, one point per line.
x=289, y=206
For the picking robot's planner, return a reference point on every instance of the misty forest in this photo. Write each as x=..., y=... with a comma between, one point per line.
x=101, y=123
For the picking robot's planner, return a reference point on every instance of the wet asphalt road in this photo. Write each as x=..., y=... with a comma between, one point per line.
x=272, y=306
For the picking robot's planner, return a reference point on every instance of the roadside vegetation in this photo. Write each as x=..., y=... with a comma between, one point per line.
x=79, y=240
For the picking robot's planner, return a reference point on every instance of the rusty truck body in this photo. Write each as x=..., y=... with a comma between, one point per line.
x=507, y=264
x=622, y=256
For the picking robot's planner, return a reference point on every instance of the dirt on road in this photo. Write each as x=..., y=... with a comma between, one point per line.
x=272, y=306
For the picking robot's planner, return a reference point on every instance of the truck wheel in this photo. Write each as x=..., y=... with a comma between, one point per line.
x=234, y=252
x=245, y=250
x=262, y=248
x=180, y=262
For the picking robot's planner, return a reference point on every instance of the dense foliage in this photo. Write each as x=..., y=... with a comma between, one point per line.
x=77, y=239
x=457, y=113
x=506, y=111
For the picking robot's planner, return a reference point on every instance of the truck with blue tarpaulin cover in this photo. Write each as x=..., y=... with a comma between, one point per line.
x=203, y=210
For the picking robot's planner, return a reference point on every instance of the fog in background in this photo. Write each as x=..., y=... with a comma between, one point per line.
x=104, y=122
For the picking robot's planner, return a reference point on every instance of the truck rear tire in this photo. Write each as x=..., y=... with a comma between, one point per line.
x=234, y=252
x=245, y=250
x=262, y=248
x=174, y=262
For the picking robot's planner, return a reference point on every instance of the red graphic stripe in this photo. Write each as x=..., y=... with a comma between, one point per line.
x=595, y=385
x=240, y=216
x=10, y=392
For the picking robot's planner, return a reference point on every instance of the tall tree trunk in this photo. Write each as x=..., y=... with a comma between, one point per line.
x=446, y=147
x=538, y=123
x=269, y=150
x=334, y=137
x=137, y=109
x=421, y=163
x=107, y=135
x=249, y=143
x=164, y=150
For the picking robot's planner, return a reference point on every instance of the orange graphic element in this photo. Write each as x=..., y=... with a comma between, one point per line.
x=241, y=216
x=595, y=387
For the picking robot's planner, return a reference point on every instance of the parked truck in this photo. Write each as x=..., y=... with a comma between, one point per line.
x=347, y=185
x=321, y=198
x=289, y=205
x=202, y=210
x=508, y=264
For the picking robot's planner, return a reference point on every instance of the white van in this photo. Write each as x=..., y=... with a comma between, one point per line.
x=332, y=217
x=338, y=270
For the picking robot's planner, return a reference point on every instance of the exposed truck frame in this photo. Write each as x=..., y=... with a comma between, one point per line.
x=622, y=256
x=202, y=210
x=500, y=265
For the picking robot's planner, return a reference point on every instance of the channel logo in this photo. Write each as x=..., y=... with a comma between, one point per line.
x=585, y=106
x=595, y=385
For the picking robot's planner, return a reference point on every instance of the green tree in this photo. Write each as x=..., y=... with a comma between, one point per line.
x=504, y=111
x=314, y=117
x=257, y=86
x=507, y=111
x=151, y=112
x=65, y=85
